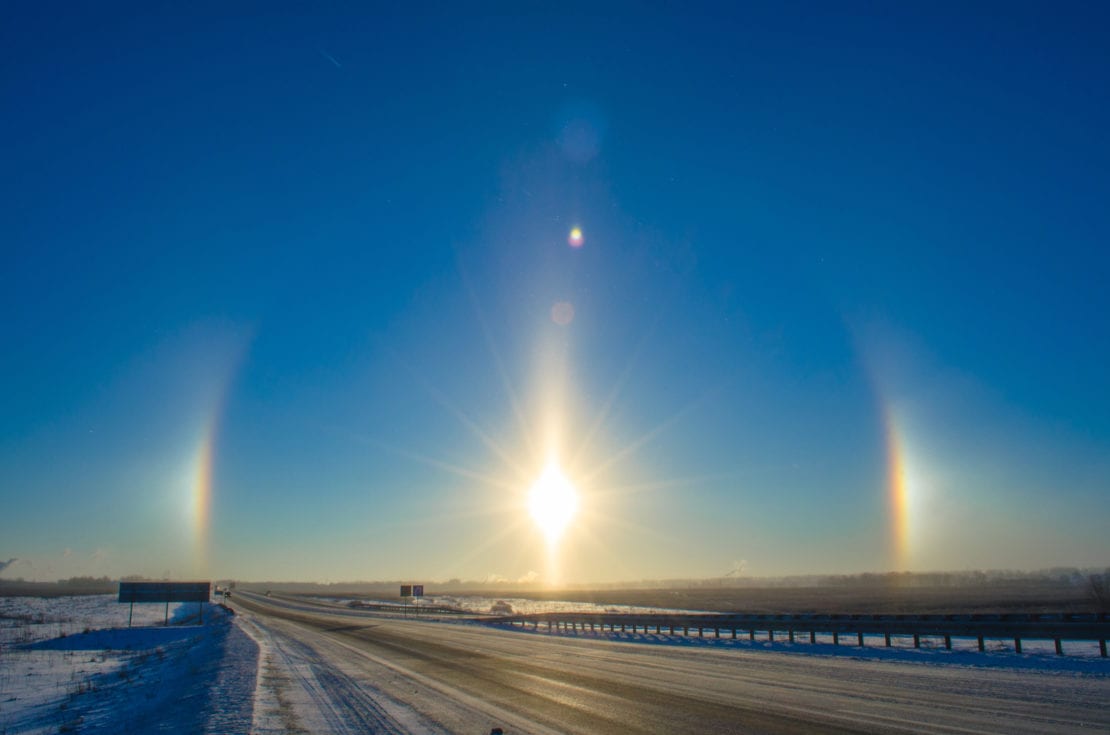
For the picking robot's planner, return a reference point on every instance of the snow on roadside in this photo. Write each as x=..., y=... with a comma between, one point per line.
x=273, y=712
x=307, y=684
x=71, y=664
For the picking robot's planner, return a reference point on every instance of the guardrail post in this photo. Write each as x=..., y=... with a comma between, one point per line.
x=836, y=638
x=859, y=639
x=734, y=638
x=813, y=636
x=701, y=632
x=1059, y=647
x=981, y=646
x=686, y=630
x=916, y=640
x=657, y=630
x=886, y=638
x=948, y=642
x=1017, y=645
x=751, y=634
x=790, y=633
x=672, y=630
x=716, y=632
x=771, y=634
x=1102, y=648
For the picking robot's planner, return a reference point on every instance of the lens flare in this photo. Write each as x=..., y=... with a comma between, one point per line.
x=562, y=313
x=575, y=239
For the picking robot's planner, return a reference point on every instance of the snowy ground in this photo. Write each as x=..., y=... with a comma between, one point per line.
x=511, y=605
x=339, y=670
x=72, y=665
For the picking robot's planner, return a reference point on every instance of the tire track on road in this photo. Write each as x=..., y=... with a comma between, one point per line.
x=343, y=703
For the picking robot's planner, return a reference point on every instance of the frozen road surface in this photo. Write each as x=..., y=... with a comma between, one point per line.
x=332, y=670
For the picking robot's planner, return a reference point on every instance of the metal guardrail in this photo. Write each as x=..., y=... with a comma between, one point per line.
x=1057, y=627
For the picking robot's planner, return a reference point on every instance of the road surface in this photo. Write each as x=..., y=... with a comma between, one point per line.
x=343, y=671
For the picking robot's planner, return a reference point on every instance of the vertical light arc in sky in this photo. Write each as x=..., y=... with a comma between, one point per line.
x=201, y=488
x=203, y=465
x=880, y=357
x=898, y=490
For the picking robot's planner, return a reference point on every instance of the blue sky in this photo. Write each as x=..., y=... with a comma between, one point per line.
x=279, y=282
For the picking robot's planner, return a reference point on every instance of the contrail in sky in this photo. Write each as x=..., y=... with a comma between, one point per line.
x=330, y=58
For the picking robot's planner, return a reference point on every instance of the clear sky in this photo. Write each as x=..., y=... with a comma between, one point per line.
x=293, y=293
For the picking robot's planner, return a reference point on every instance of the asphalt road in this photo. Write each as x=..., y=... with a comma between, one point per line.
x=380, y=673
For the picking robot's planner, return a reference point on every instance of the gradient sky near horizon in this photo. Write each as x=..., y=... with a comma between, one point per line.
x=291, y=292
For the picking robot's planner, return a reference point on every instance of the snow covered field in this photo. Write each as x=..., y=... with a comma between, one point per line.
x=511, y=605
x=70, y=664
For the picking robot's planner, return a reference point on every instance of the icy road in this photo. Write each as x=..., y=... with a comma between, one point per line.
x=335, y=670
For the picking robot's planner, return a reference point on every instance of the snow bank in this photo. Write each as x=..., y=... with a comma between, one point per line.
x=69, y=664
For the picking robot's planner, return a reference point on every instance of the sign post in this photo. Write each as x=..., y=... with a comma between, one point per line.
x=409, y=591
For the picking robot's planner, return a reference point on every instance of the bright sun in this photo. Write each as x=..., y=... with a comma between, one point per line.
x=552, y=502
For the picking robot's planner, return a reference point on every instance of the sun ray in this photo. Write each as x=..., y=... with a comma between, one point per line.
x=611, y=399
x=471, y=425
x=444, y=465
x=499, y=365
x=585, y=532
x=490, y=541
x=425, y=521
x=643, y=439
x=669, y=484
x=617, y=522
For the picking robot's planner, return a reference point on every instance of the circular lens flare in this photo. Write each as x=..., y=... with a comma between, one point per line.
x=562, y=313
x=575, y=238
x=552, y=502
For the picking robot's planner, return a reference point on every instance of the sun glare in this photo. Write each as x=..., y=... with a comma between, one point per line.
x=552, y=502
